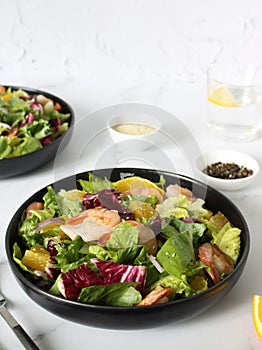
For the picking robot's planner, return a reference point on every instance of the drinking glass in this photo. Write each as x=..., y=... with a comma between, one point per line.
x=234, y=100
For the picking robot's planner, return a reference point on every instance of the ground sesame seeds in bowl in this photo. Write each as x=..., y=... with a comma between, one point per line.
x=227, y=170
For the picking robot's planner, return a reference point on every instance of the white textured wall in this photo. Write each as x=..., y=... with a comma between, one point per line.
x=120, y=49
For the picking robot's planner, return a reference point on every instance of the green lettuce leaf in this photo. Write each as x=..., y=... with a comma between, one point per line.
x=195, y=229
x=177, y=253
x=27, y=145
x=70, y=253
x=68, y=207
x=50, y=201
x=60, y=130
x=16, y=104
x=124, y=235
x=5, y=148
x=27, y=225
x=136, y=255
x=196, y=209
x=95, y=184
x=37, y=129
x=54, y=290
x=228, y=240
x=43, y=214
x=17, y=256
x=118, y=294
x=174, y=206
x=179, y=284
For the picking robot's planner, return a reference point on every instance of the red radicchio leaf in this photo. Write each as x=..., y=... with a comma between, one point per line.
x=76, y=279
x=28, y=120
x=91, y=201
x=109, y=199
x=52, y=272
x=113, y=272
x=36, y=106
x=55, y=123
x=46, y=140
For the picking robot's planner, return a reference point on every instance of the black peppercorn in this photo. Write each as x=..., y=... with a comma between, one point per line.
x=227, y=171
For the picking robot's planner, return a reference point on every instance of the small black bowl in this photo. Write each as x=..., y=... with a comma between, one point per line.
x=25, y=163
x=135, y=317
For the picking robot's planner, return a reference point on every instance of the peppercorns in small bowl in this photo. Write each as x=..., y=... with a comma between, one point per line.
x=227, y=170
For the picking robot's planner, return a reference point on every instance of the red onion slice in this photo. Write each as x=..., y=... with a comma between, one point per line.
x=47, y=222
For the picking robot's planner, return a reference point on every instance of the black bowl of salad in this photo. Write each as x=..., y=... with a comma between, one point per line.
x=32, y=126
x=127, y=248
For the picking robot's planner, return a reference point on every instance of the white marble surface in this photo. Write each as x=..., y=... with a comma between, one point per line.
x=100, y=53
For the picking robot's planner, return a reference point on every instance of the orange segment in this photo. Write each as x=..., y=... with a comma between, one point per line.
x=7, y=96
x=36, y=258
x=257, y=314
x=141, y=209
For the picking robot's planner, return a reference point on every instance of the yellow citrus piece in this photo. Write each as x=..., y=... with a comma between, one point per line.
x=257, y=313
x=36, y=258
x=7, y=97
x=49, y=227
x=141, y=209
x=75, y=195
x=221, y=96
x=135, y=182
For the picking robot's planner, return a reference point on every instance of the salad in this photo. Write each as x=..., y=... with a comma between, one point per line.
x=28, y=122
x=132, y=242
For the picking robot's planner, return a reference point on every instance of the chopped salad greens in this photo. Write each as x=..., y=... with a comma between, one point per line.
x=125, y=243
x=28, y=122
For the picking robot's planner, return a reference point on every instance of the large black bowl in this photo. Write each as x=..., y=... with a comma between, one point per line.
x=135, y=317
x=23, y=164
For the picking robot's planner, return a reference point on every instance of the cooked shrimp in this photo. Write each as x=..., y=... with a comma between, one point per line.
x=176, y=190
x=156, y=296
x=91, y=224
x=216, y=260
x=13, y=132
x=102, y=216
x=145, y=192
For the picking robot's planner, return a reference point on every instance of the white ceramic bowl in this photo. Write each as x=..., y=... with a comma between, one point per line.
x=134, y=142
x=226, y=156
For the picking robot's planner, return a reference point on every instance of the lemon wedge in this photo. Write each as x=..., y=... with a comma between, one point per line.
x=257, y=314
x=221, y=96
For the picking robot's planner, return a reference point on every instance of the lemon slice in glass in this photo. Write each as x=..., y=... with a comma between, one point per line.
x=222, y=96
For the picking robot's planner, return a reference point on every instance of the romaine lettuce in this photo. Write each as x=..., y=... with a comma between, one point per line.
x=118, y=294
x=228, y=240
x=177, y=253
x=174, y=206
x=68, y=207
x=124, y=235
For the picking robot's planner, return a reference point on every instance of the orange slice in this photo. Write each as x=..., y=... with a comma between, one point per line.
x=135, y=182
x=257, y=314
